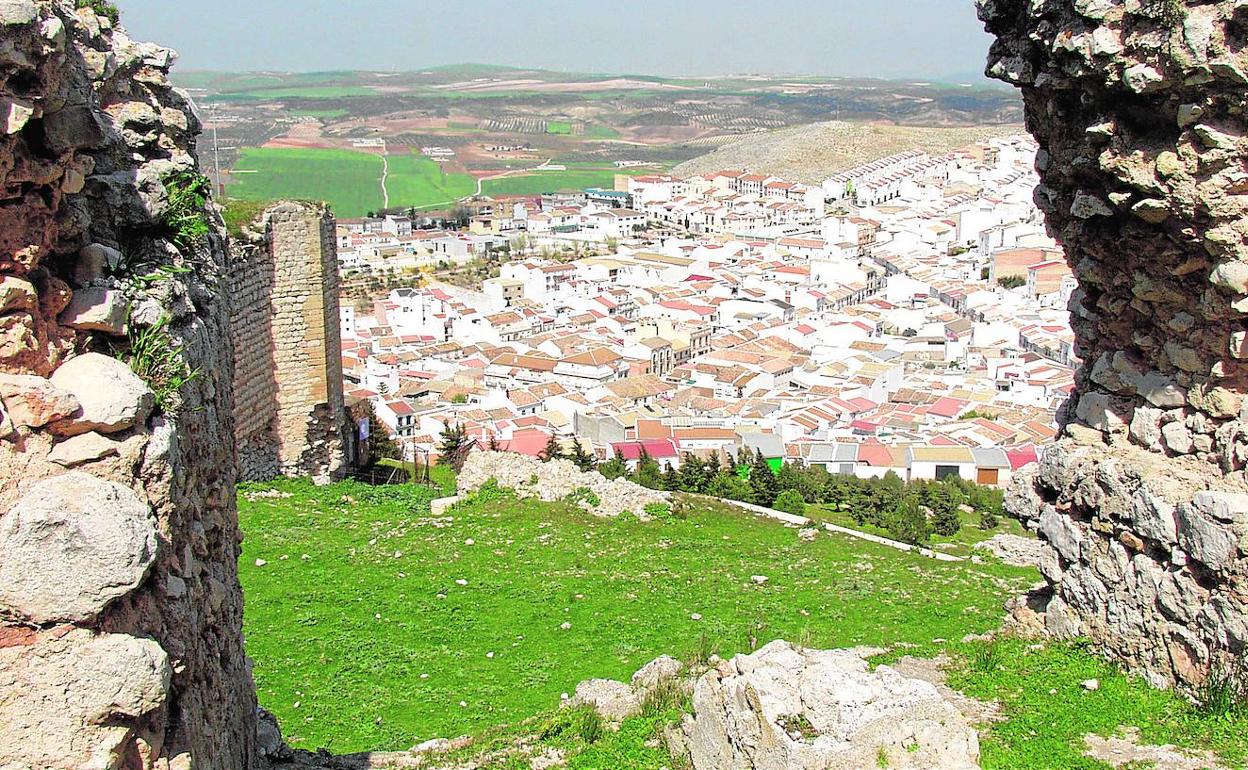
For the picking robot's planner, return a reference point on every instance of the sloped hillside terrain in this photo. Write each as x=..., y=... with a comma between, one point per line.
x=812, y=153
x=376, y=626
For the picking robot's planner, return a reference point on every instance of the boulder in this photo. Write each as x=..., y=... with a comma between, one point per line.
x=113, y=398
x=96, y=309
x=785, y=708
x=614, y=701
x=656, y=672
x=34, y=401
x=17, y=294
x=1013, y=549
x=85, y=448
x=72, y=544
x=72, y=699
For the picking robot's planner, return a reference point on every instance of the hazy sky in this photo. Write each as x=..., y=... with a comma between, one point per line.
x=885, y=38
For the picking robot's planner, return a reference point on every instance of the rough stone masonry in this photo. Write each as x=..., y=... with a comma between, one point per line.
x=1139, y=109
x=288, y=410
x=120, y=607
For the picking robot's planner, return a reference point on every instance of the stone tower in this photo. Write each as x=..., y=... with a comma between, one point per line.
x=289, y=413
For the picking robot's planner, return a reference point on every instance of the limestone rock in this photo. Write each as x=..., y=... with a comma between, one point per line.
x=95, y=309
x=555, y=480
x=34, y=401
x=783, y=708
x=72, y=699
x=1013, y=549
x=614, y=701
x=113, y=397
x=84, y=448
x=17, y=294
x=72, y=544
x=656, y=672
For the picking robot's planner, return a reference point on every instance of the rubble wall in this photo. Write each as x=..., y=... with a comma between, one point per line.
x=120, y=607
x=1138, y=106
x=289, y=413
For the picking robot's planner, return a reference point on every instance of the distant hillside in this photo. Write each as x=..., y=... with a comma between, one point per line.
x=813, y=153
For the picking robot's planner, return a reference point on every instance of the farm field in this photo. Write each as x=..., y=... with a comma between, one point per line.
x=556, y=181
x=370, y=642
x=418, y=182
x=349, y=181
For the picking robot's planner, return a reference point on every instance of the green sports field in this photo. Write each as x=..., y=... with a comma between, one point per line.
x=350, y=182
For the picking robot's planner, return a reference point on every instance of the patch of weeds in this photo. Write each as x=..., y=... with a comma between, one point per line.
x=491, y=492
x=157, y=359
x=704, y=650
x=186, y=218
x=985, y=658
x=582, y=723
x=881, y=757
x=660, y=511
x=797, y=725
x=239, y=214
x=583, y=495
x=1224, y=693
x=1049, y=712
x=101, y=8
x=667, y=695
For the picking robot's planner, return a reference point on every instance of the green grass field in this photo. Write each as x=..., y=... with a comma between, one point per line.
x=560, y=127
x=419, y=182
x=377, y=643
x=349, y=181
x=555, y=181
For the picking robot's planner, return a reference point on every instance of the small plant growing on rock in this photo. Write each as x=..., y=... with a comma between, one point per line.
x=101, y=8
x=157, y=359
x=668, y=695
x=1224, y=693
x=797, y=726
x=186, y=218
x=584, y=495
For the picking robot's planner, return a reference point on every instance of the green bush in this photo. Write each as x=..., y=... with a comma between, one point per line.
x=790, y=501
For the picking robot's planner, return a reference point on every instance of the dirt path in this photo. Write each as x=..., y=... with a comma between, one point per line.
x=385, y=174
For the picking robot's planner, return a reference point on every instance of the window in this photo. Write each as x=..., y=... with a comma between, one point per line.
x=945, y=471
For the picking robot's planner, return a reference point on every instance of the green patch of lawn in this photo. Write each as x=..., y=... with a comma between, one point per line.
x=349, y=181
x=342, y=638
x=1045, y=730
x=418, y=182
x=561, y=127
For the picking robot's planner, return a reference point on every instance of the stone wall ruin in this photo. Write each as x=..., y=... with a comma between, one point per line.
x=288, y=412
x=120, y=606
x=1138, y=106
